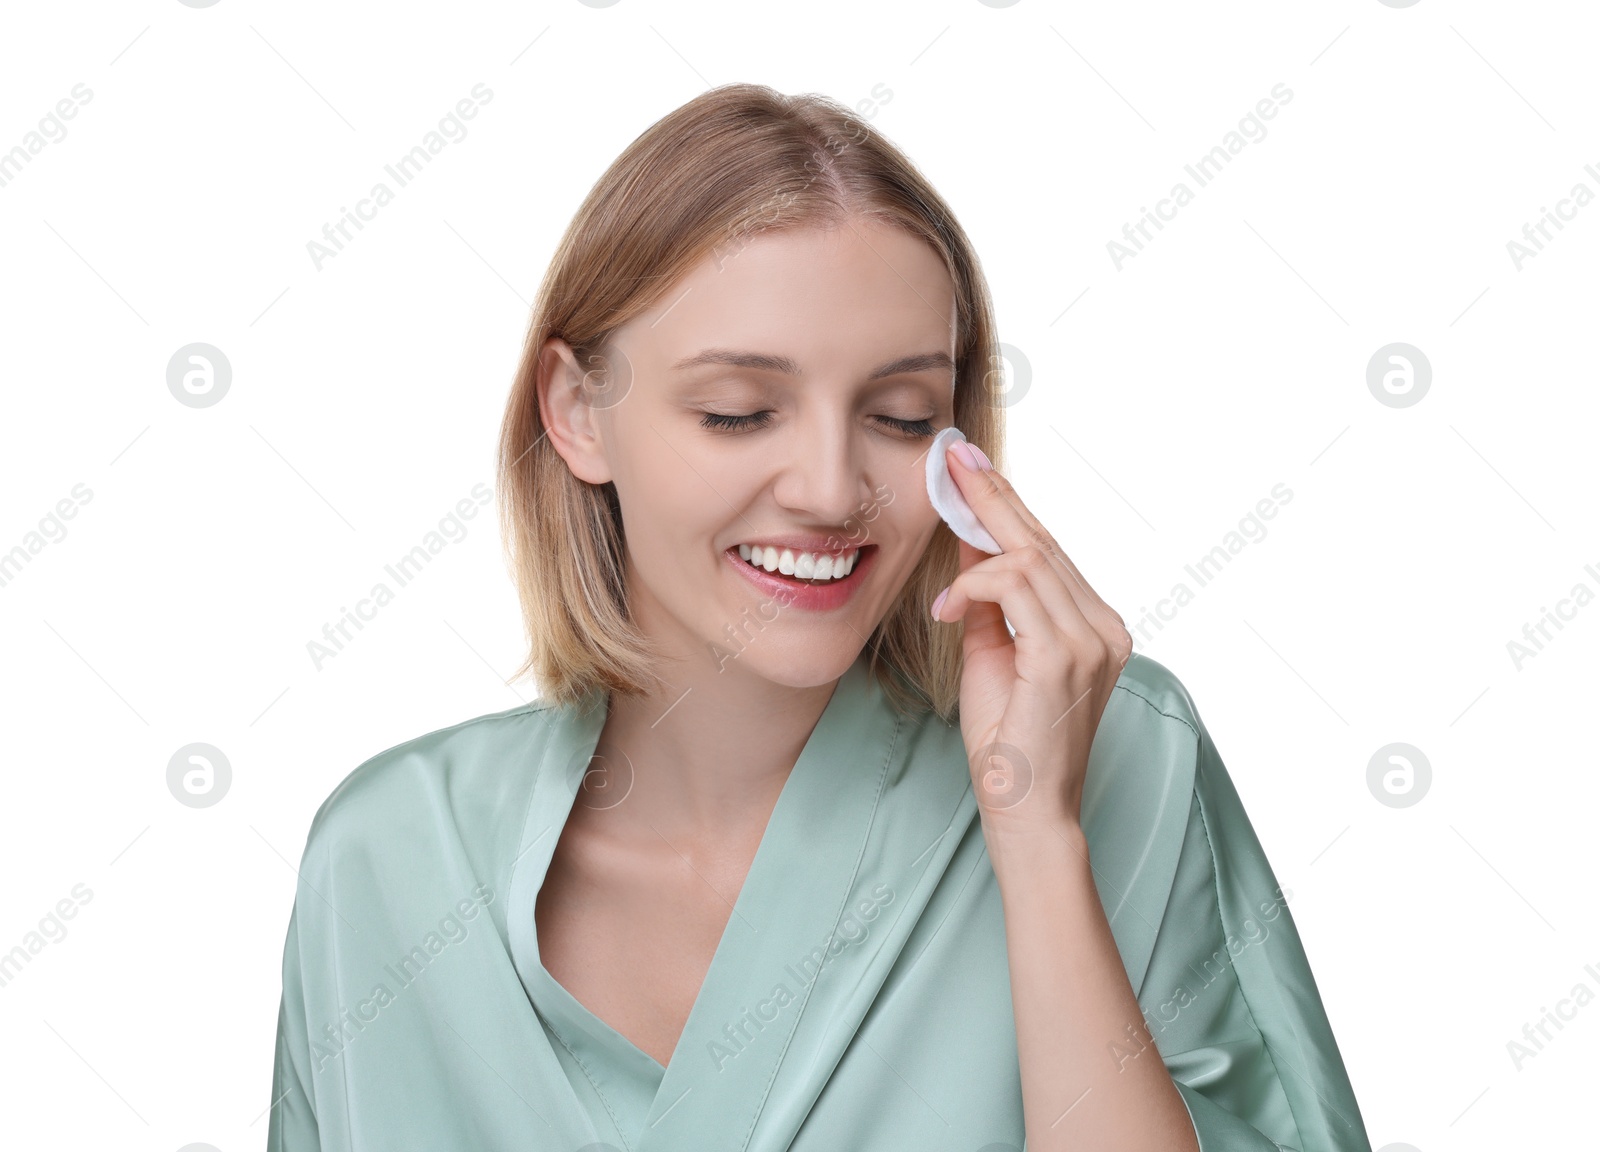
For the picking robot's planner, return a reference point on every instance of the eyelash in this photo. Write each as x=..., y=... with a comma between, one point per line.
x=917, y=429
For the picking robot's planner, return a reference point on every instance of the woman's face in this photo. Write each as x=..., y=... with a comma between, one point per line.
x=782, y=396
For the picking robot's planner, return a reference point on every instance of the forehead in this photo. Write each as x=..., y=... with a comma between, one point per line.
x=831, y=298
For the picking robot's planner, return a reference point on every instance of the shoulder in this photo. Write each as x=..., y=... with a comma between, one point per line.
x=1150, y=731
x=457, y=768
x=1149, y=759
x=1146, y=750
x=1151, y=693
x=1161, y=775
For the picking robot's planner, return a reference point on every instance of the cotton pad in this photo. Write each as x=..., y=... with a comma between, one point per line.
x=947, y=500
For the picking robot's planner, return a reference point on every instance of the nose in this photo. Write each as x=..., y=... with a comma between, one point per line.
x=822, y=475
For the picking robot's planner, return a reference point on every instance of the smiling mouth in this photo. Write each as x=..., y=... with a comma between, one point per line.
x=817, y=569
x=812, y=594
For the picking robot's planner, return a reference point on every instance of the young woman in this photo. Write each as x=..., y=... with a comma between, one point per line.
x=830, y=831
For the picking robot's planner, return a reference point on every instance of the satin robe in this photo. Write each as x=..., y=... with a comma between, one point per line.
x=859, y=997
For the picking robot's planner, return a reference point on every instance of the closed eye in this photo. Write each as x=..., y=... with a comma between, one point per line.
x=916, y=429
x=719, y=420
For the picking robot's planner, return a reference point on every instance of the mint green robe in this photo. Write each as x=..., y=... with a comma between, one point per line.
x=859, y=997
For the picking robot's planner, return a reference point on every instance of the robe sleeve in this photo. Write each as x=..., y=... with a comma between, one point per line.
x=1229, y=996
x=292, y=1126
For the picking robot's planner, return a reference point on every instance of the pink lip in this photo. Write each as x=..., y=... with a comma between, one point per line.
x=811, y=597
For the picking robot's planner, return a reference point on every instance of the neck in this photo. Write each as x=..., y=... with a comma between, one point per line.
x=710, y=751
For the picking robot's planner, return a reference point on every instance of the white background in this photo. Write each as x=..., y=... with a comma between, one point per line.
x=1166, y=399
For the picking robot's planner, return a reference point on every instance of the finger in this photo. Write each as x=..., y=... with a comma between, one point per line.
x=1106, y=619
x=1046, y=579
x=1002, y=511
x=1013, y=598
x=1082, y=629
x=1087, y=634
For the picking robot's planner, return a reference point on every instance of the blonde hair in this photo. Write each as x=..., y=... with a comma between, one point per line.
x=737, y=160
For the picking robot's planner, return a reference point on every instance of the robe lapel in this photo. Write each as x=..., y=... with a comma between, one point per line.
x=756, y=988
x=855, y=844
x=570, y=744
x=914, y=793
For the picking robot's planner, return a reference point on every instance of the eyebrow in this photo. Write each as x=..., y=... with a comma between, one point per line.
x=920, y=362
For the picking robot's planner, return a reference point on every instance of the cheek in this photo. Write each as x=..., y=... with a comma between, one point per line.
x=906, y=504
x=683, y=504
x=903, y=529
x=655, y=483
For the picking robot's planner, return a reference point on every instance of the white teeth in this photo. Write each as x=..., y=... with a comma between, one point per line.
x=802, y=566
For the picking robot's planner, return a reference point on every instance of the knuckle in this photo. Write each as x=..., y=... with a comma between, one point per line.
x=1032, y=556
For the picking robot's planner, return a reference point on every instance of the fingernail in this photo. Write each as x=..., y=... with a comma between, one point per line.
x=967, y=454
x=938, y=602
x=983, y=458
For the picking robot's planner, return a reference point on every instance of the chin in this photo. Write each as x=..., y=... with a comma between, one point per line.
x=795, y=662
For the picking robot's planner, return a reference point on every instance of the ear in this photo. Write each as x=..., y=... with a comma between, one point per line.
x=569, y=419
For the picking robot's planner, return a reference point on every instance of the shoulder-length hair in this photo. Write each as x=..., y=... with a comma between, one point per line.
x=739, y=160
